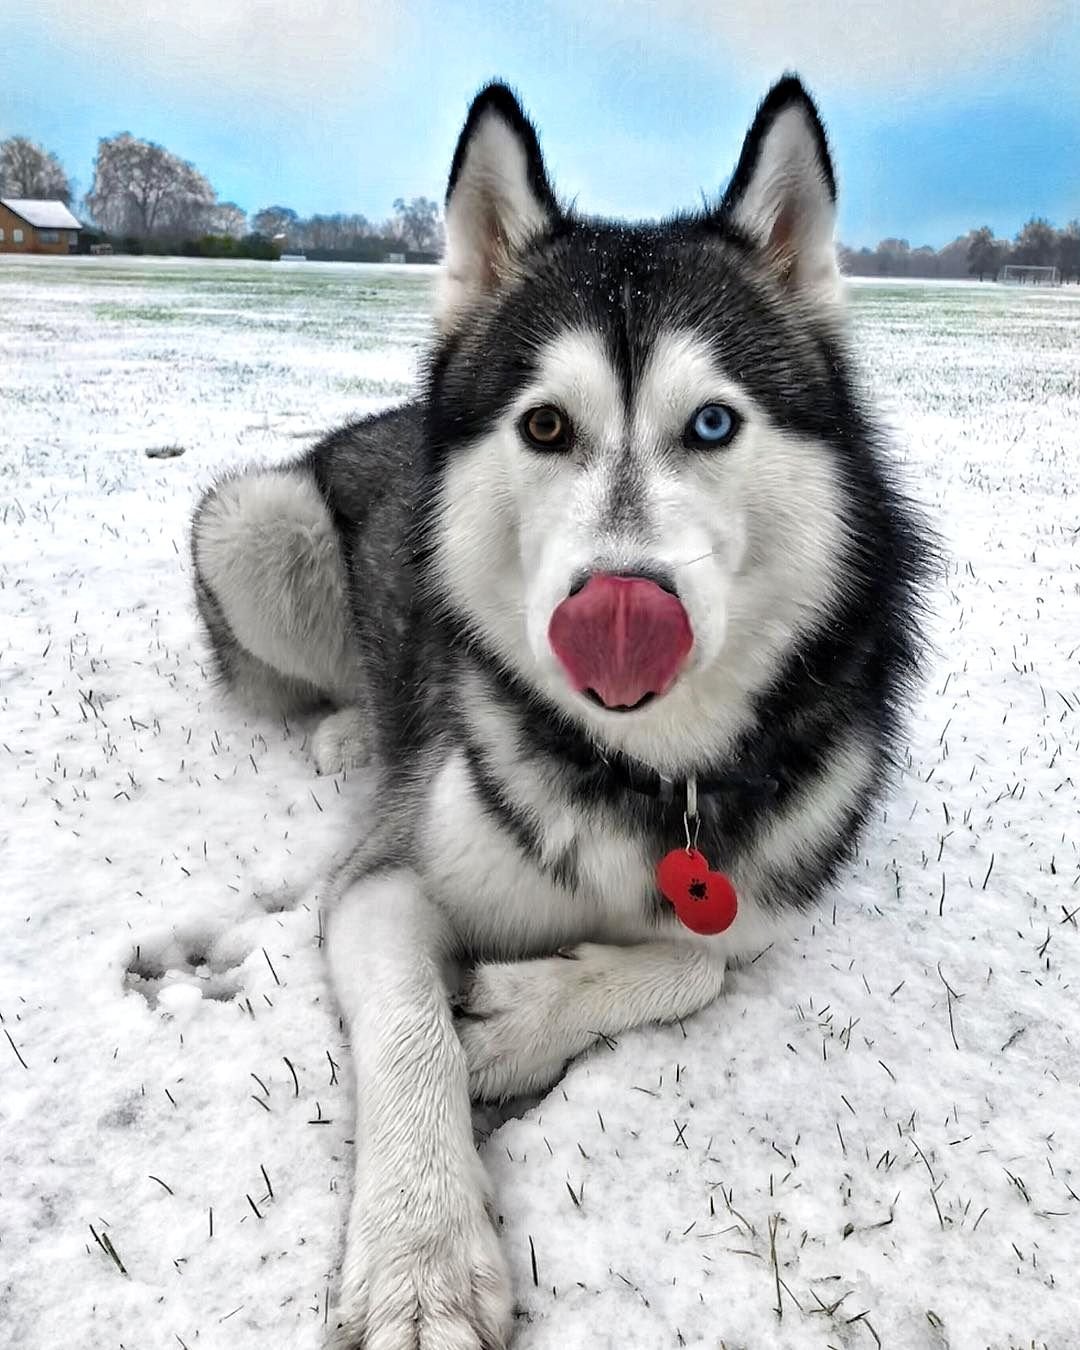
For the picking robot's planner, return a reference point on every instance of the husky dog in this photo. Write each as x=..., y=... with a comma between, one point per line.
x=629, y=584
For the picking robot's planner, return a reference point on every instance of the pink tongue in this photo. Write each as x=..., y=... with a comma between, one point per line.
x=623, y=638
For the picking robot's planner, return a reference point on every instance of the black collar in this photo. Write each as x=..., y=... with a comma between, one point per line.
x=649, y=782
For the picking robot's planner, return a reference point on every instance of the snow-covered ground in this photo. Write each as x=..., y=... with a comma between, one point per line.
x=872, y=1139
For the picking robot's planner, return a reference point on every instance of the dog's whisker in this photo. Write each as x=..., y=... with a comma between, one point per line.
x=712, y=553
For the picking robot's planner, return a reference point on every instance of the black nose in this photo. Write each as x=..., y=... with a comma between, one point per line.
x=659, y=576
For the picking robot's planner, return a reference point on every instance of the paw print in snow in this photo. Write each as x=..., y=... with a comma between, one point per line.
x=175, y=971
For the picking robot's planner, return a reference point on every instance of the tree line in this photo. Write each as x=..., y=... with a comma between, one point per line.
x=977, y=253
x=143, y=198
x=415, y=225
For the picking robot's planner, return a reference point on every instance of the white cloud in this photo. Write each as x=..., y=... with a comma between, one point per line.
x=285, y=51
x=865, y=43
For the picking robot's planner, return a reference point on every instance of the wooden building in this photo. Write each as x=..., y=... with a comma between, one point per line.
x=37, y=227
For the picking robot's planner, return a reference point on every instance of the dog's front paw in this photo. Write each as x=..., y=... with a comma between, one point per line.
x=341, y=741
x=516, y=1024
x=415, y=1280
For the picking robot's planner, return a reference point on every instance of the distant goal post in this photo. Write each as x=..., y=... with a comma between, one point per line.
x=1020, y=274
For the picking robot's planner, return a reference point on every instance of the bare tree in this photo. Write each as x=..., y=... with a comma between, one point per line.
x=419, y=222
x=141, y=189
x=29, y=170
x=227, y=218
x=1036, y=244
x=320, y=232
x=275, y=220
x=894, y=257
x=984, y=253
x=1068, y=251
x=352, y=230
x=953, y=258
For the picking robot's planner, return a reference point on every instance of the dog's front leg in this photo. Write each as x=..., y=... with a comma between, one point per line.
x=422, y=1268
x=521, y=1021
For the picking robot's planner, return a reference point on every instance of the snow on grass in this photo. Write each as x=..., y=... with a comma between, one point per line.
x=872, y=1139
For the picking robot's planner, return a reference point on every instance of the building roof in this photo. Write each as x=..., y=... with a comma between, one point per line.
x=42, y=215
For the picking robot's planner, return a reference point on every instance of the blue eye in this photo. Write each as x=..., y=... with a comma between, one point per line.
x=713, y=425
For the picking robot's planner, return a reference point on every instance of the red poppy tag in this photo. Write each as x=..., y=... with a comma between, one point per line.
x=705, y=901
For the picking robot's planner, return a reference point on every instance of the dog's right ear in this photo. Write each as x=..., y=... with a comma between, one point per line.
x=498, y=200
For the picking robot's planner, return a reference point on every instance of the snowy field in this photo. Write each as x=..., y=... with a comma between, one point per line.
x=872, y=1140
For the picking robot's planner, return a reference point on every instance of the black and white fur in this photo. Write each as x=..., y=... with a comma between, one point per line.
x=405, y=571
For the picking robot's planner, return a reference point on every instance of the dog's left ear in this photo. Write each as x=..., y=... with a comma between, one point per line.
x=782, y=194
x=498, y=200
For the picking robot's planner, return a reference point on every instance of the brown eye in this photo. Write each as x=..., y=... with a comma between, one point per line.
x=546, y=428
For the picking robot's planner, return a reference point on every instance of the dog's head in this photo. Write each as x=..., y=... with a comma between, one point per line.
x=635, y=430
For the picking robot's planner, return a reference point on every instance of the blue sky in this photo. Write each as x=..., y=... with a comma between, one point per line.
x=943, y=114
